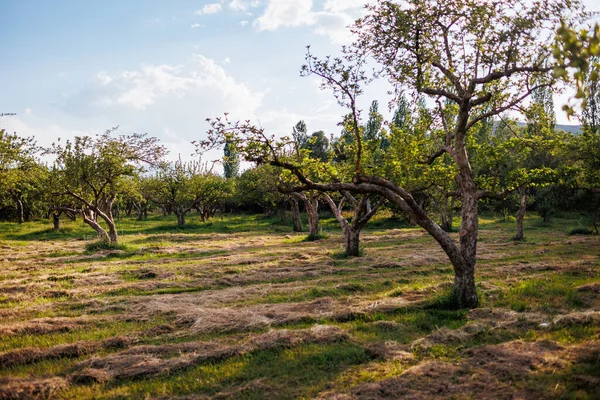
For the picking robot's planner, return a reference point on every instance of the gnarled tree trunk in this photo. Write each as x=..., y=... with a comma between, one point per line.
x=296, y=214
x=312, y=208
x=87, y=215
x=363, y=212
x=352, y=237
x=56, y=221
x=464, y=267
x=311, y=203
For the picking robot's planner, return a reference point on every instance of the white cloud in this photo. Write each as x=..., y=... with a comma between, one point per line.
x=212, y=8
x=335, y=26
x=196, y=25
x=151, y=84
x=243, y=23
x=153, y=98
x=227, y=60
x=285, y=13
x=28, y=111
x=332, y=22
x=243, y=5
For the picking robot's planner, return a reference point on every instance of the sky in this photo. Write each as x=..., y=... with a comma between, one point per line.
x=77, y=67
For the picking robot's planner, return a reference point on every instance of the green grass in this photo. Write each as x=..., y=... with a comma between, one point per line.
x=246, y=262
x=549, y=293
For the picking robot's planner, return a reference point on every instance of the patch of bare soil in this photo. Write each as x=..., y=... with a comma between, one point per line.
x=72, y=350
x=148, y=361
x=42, y=326
x=31, y=388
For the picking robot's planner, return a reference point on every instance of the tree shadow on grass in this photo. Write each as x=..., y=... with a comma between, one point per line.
x=291, y=373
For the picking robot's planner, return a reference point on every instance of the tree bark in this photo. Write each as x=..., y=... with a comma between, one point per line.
x=88, y=219
x=521, y=215
x=140, y=216
x=464, y=268
x=447, y=213
x=312, y=208
x=282, y=212
x=180, y=213
x=56, y=221
x=296, y=214
x=311, y=203
x=352, y=242
x=20, y=211
x=363, y=212
x=113, y=236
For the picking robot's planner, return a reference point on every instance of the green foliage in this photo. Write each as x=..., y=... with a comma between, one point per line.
x=182, y=186
x=231, y=161
x=21, y=177
x=92, y=171
x=317, y=145
x=590, y=113
x=576, y=49
x=259, y=186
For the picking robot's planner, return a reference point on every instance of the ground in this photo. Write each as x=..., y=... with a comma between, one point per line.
x=240, y=307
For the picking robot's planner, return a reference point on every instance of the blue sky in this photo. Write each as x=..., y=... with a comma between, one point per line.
x=72, y=67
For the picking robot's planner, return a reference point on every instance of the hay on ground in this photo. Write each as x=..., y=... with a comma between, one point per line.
x=577, y=318
x=42, y=326
x=148, y=361
x=31, y=388
x=73, y=350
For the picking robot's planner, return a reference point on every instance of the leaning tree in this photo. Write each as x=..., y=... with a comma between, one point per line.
x=481, y=56
x=90, y=171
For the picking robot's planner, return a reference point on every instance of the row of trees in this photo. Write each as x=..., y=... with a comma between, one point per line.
x=463, y=65
x=105, y=176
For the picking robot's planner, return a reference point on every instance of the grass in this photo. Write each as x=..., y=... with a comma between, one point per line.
x=151, y=287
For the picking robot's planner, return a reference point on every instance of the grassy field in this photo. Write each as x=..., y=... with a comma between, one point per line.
x=241, y=307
